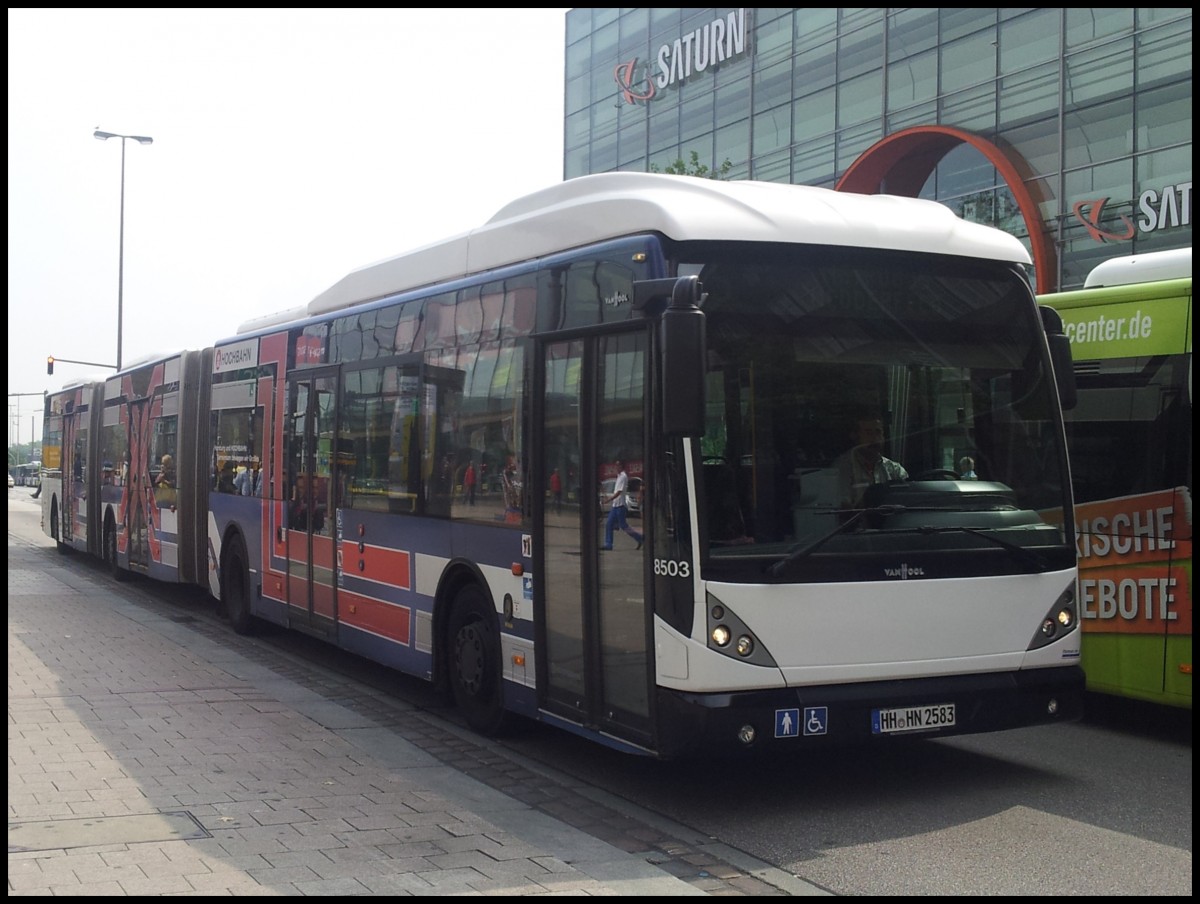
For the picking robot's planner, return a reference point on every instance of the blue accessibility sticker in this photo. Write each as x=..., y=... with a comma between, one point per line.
x=816, y=720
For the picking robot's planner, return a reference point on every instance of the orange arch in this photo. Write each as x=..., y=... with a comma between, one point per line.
x=904, y=161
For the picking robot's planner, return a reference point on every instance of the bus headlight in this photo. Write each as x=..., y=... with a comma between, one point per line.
x=1058, y=622
x=730, y=636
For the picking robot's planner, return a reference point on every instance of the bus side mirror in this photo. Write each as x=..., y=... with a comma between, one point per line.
x=1060, y=357
x=684, y=357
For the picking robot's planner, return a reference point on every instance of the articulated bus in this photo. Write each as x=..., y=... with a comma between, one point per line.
x=727, y=341
x=1130, y=441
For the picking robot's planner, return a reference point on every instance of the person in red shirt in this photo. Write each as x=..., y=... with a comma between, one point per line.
x=469, y=482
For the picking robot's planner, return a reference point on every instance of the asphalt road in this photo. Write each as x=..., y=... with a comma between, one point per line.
x=1101, y=807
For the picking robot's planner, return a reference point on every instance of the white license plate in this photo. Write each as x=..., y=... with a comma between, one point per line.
x=912, y=718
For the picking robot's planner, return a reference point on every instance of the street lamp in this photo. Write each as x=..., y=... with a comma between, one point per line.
x=140, y=139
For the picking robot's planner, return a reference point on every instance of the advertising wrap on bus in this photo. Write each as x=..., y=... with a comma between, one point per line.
x=1135, y=594
x=1134, y=558
x=1129, y=438
x=1123, y=329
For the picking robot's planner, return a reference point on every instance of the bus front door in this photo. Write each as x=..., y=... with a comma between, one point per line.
x=311, y=527
x=595, y=667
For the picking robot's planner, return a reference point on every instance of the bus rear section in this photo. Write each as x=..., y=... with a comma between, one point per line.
x=126, y=476
x=71, y=476
x=1130, y=439
x=154, y=480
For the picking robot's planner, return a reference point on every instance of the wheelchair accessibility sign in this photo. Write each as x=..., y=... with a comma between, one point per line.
x=788, y=722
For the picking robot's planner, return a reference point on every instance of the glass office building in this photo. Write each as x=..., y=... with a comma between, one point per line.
x=1070, y=128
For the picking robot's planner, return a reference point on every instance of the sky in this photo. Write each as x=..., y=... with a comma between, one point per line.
x=290, y=147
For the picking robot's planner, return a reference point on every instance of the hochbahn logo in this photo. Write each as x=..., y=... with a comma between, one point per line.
x=707, y=47
x=235, y=357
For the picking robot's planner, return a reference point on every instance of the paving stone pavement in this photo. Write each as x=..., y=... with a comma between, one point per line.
x=151, y=754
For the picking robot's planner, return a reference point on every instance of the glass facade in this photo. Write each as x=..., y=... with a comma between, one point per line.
x=1073, y=124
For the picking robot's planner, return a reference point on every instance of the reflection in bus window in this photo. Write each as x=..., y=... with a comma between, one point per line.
x=237, y=449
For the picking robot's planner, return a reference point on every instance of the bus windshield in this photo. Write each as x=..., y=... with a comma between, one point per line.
x=887, y=404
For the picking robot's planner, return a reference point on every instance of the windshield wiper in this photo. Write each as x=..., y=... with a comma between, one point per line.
x=1026, y=556
x=777, y=568
x=1023, y=554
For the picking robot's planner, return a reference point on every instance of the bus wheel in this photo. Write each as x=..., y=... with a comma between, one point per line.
x=235, y=587
x=474, y=662
x=110, y=550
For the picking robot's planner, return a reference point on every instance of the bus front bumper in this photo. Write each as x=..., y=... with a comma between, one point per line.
x=870, y=712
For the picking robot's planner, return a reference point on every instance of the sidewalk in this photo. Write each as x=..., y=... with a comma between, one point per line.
x=157, y=754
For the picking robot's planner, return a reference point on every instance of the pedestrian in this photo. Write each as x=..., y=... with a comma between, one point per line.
x=469, y=482
x=556, y=489
x=617, y=510
x=243, y=480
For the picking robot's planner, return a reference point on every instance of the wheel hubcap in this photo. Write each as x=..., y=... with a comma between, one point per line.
x=469, y=658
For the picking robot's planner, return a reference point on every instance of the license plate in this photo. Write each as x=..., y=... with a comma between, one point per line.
x=912, y=718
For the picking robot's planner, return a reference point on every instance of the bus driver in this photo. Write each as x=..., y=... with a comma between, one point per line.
x=865, y=464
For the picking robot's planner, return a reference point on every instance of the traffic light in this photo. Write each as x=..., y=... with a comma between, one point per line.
x=50, y=365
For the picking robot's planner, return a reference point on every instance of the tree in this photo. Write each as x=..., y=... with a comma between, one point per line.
x=695, y=168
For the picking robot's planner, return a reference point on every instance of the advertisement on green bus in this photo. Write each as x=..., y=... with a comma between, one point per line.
x=1130, y=447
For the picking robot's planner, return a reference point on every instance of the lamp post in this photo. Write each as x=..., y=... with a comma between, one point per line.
x=140, y=139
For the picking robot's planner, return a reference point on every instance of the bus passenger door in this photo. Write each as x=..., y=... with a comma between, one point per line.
x=594, y=627
x=72, y=476
x=311, y=528
x=139, y=485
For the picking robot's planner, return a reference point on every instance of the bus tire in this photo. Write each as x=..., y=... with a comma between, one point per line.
x=110, y=551
x=474, y=662
x=235, y=587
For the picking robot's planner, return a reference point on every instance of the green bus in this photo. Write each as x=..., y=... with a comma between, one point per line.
x=1130, y=445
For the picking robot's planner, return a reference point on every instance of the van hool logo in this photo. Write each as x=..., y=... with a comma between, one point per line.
x=709, y=45
x=905, y=571
x=616, y=299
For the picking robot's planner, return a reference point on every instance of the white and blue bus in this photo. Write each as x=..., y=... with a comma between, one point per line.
x=728, y=342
